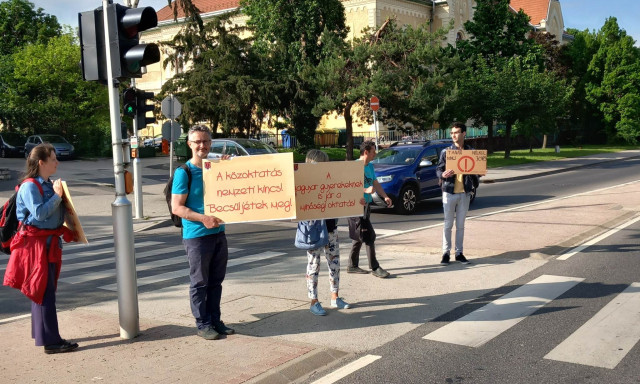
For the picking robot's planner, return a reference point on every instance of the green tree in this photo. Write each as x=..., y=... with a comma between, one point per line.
x=533, y=97
x=585, y=119
x=616, y=64
x=21, y=24
x=342, y=79
x=222, y=84
x=496, y=31
x=45, y=93
x=413, y=75
x=287, y=37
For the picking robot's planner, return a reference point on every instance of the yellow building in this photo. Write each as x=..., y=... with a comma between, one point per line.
x=546, y=15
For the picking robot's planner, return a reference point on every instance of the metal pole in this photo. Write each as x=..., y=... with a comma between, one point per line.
x=137, y=171
x=121, y=211
x=171, y=155
x=171, y=137
x=375, y=125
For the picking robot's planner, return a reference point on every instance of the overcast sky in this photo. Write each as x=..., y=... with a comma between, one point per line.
x=580, y=14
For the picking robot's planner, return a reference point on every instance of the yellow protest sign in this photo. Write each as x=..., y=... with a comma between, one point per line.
x=250, y=188
x=329, y=190
x=468, y=161
x=71, y=219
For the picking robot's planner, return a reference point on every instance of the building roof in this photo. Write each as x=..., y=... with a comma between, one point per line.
x=537, y=10
x=205, y=6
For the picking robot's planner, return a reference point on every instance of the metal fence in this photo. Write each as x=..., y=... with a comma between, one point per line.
x=339, y=138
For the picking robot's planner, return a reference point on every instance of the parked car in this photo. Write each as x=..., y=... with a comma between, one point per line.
x=238, y=147
x=268, y=138
x=155, y=141
x=64, y=150
x=407, y=173
x=12, y=144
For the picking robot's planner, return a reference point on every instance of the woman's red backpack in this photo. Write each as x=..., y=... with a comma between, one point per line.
x=9, y=223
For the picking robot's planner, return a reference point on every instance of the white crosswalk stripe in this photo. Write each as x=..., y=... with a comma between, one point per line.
x=608, y=336
x=482, y=325
x=185, y=272
x=602, y=341
x=80, y=257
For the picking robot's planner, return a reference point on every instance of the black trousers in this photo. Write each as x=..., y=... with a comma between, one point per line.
x=357, y=241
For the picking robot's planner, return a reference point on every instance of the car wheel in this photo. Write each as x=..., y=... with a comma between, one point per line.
x=407, y=200
x=3, y=153
x=26, y=154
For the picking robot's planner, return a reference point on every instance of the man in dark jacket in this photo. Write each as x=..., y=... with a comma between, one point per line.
x=456, y=195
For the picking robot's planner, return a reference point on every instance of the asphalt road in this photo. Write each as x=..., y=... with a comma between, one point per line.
x=550, y=345
x=252, y=239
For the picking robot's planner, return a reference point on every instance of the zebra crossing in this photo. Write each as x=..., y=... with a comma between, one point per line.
x=96, y=262
x=602, y=341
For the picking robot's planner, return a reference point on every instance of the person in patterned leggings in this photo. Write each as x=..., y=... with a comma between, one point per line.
x=331, y=253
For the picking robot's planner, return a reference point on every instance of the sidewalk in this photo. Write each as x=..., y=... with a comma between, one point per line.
x=278, y=340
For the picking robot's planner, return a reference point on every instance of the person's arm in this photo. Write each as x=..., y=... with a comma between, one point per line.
x=441, y=170
x=381, y=192
x=179, y=200
x=39, y=209
x=179, y=208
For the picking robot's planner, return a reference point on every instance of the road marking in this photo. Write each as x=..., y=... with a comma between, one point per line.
x=598, y=239
x=512, y=208
x=608, y=336
x=185, y=272
x=10, y=319
x=79, y=255
x=83, y=278
x=347, y=369
x=69, y=254
x=482, y=325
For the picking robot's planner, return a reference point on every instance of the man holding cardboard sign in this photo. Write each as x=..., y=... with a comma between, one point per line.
x=203, y=238
x=457, y=185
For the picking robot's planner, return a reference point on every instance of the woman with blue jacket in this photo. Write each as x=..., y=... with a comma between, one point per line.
x=36, y=250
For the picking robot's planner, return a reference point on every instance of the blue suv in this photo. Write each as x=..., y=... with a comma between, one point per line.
x=407, y=173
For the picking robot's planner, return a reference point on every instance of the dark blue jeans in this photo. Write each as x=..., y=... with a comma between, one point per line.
x=207, y=257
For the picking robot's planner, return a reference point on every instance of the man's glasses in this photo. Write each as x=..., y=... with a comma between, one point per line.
x=200, y=142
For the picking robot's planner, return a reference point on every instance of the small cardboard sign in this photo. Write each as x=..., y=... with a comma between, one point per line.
x=329, y=190
x=250, y=188
x=71, y=219
x=468, y=161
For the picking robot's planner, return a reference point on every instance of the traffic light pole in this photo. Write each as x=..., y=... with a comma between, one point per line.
x=121, y=211
x=137, y=172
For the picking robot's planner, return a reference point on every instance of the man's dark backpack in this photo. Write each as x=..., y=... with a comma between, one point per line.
x=177, y=220
x=9, y=223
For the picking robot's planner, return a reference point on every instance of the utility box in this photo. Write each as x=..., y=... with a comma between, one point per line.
x=182, y=150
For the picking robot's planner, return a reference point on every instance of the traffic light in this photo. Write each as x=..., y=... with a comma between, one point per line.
x=128, y=56
x=92, y=52
x=129, y=101
x=133, y=55
x=142, y=108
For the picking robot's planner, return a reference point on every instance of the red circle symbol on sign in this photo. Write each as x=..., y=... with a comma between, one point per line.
x=466, y=164
x=374, y=103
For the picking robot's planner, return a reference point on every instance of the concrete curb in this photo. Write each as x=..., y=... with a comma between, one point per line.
x=486, y=180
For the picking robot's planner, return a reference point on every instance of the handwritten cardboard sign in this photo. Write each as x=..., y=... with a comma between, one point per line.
x=329, y=190
x=71, y=219
x=250, y=188
x=468, y=161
